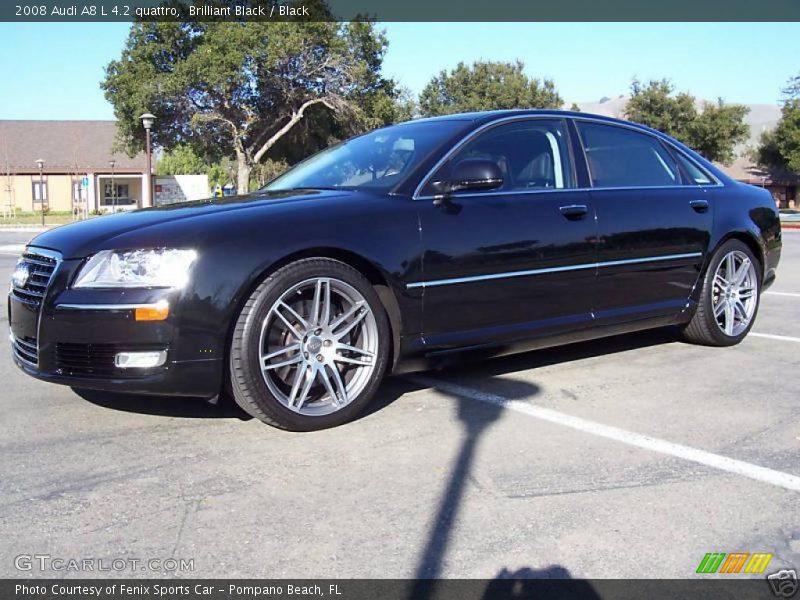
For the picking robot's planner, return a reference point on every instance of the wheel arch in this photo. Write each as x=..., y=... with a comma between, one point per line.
x=749, y=239
x=374, y=275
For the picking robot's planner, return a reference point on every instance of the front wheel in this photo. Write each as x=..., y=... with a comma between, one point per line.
x=310, y=346
x=729, y=299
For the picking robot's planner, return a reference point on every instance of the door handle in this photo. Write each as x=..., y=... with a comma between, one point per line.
x=573, y=212
x=700, y=206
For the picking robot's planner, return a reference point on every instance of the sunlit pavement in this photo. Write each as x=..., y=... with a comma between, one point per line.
x=537, y=464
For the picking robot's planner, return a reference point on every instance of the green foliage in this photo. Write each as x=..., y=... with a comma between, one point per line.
x=221, y=173
x=792, y=89
x=714, y=132
x=655, y=105
x=780, y=148
x=486, y=86
x=266, y=172
x=575, y=108
x=181, y=160
x=238, y=88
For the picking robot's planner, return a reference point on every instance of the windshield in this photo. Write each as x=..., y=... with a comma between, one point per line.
x=377, y=160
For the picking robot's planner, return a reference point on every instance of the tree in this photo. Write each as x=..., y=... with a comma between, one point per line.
x=780, y=148
x=575, y=108
x=181, y=160
x=717, y=130
x=714, y=132
x=238, y=88
x=486, y=86
x=792, y=89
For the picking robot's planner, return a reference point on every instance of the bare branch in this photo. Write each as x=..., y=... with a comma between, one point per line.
x=331, y=102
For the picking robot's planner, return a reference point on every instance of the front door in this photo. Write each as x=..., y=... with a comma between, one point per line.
x=515, y=262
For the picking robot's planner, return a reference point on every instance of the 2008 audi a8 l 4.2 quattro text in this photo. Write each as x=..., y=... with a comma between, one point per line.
x=496, y=232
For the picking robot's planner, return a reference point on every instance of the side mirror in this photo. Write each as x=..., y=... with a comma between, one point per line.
x=471, y=174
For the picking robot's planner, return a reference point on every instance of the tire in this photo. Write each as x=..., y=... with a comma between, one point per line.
x=321, y=368
x=709, y=329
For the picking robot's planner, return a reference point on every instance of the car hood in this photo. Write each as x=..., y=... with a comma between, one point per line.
x=79, y=239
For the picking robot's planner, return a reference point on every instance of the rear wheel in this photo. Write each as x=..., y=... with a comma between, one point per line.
x=310, y=346
x=729, y=299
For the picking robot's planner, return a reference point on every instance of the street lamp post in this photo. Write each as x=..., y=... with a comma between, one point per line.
x=147, y=122
x=40, y=162
x=112, y=164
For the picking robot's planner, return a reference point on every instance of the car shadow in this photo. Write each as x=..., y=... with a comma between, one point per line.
x=392, y=388
x=165, y=406
x=526, y=583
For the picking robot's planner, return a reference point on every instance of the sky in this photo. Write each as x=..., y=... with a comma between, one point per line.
x=52, y=70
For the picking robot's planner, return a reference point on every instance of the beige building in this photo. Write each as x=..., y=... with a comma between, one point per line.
x=77, y=174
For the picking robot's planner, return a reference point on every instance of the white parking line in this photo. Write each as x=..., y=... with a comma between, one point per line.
x=723, y=463
x=772, y=336
x=789, y=294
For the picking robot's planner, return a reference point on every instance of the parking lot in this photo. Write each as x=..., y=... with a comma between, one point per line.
x=628, y=457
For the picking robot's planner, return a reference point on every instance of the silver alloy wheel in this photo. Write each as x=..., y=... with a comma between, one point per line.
x=318, y=346
x=734, y=293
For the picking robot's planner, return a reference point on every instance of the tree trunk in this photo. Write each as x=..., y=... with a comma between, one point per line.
x=242, y=173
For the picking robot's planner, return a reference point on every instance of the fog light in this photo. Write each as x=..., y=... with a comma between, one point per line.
x=140, y=360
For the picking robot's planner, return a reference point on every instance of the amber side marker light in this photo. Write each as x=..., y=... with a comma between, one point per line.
x=153, y=312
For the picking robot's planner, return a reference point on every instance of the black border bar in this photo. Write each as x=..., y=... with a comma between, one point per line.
x=402, y=10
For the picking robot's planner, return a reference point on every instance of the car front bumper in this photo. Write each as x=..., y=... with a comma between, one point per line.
x=72, y=337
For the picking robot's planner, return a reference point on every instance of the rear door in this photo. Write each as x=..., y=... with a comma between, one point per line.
x=515, y=262
x=654, y=224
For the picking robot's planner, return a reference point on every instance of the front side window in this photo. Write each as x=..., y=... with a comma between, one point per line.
x=531, y=155
x=378, y=160
x=622, y=157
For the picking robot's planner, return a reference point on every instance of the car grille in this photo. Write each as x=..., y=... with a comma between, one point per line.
x=40, y=270
x=96, y=360
x=26, y=349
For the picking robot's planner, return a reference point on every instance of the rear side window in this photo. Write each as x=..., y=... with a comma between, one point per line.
x=621, y=157
x=696, y=174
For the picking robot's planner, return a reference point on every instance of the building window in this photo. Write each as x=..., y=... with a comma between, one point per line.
x=123, y=195
x=40, y=191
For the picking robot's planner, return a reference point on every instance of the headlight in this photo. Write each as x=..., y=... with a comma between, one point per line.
x=158, y=267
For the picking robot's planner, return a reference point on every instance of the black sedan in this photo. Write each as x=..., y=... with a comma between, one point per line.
x=488, y=232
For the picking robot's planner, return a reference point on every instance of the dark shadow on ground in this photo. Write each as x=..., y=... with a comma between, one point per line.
x=526, y=583
x=164, y=406
x=475, y=418
x=474, y=365
x=393, y=387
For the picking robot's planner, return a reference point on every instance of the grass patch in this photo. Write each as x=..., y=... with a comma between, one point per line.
x=35, y=218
